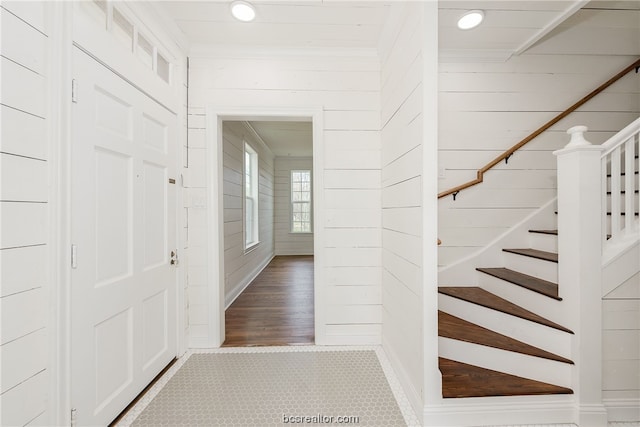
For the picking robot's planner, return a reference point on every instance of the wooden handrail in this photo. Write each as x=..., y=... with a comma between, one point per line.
x=525, y=141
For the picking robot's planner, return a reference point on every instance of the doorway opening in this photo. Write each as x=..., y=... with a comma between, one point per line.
x=263, y=225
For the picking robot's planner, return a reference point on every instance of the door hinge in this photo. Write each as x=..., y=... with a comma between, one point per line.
x=74, y=91
x=74, y=256
x=74, y=414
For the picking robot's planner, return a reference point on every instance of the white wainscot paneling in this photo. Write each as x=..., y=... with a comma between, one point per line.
x=26, y=357
x=352, y=238
x=22, y=134
x=352, y=179
x=22, y=269
x=22, y=313
x=352, y=218
x=22, y=43
x=621, y=314
x=23, y=179
x=357, y=257
x=353, y=313
x=352, y=159
x=403, y=194
x=23, y=224
x=26, y=401
x=32, y=12
x=403, y=219
x=22, y=88
x=352, y=199
x=352, y=276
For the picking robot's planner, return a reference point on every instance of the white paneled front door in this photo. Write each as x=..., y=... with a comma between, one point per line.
x=123, y=231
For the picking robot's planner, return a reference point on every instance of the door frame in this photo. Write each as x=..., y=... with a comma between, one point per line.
x=68, y=27
x=215, y=115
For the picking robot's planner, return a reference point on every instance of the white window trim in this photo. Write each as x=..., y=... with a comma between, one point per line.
x=247, y=148
x=291, y=202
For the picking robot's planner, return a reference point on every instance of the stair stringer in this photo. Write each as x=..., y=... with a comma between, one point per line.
x=619, y=268
x=463, y=272
x=507, y=410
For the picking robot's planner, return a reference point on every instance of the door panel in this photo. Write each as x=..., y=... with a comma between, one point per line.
x=123, y=224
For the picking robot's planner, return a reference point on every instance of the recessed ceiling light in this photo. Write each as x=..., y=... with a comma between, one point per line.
x=243, y=11
x=471, y=19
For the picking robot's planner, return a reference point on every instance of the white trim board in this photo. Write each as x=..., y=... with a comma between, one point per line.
x=240, y=287
x=215, y=115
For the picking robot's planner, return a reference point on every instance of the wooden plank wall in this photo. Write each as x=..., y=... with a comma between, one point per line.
x=487, y=107
x=288, y=243
x=402, y=287
x=347, y=88
x=621, y=347
x=240, y=267
x=24, y=187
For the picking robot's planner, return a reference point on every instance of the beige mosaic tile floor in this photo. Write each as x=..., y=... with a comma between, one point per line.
x=268, y=387
x=258, y=386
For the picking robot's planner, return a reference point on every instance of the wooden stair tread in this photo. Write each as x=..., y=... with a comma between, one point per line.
x=534, y=284
x=464, y=380
x=459, y=329
x=534, y=253
x=552, y=232
x=479, y=296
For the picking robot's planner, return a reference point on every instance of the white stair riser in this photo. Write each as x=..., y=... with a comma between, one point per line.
x=535, y=334
x=508, y=362
x=540, y=304
x=544, y=242
x=539, y=268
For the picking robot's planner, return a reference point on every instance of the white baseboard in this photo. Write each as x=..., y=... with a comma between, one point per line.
x=592, y=415
x=199, y=342
x=624, y=410
x=293, y=253
x=414, y=397
x=242, y=285
x=509, y=410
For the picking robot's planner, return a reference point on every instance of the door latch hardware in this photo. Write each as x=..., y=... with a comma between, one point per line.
x=74, y=256
x=174, y=257
x=74, y=91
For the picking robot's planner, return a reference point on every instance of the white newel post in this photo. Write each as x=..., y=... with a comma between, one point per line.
x=580, y=268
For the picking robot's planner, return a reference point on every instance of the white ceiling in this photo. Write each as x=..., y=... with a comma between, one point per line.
x=514, y=27
x=282, y=24
x=286, y=138
x=510, y=27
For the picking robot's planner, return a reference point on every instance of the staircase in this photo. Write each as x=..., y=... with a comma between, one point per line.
x=507, y=335
x=515, y=350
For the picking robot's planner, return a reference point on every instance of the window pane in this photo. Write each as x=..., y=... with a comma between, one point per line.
x=145, y=51
x=301, y=201
x=251, y=195
x=122, y=29
x=164, y=68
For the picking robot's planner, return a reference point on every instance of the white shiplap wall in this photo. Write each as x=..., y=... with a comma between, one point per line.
x=24, y=187
x=240, y=267
x=288, y=243
x=621, y=349
x=402, y=140
x=347, y=88
x=485, y=108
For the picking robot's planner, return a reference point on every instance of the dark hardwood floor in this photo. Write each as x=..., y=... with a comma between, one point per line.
x=276, y=308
